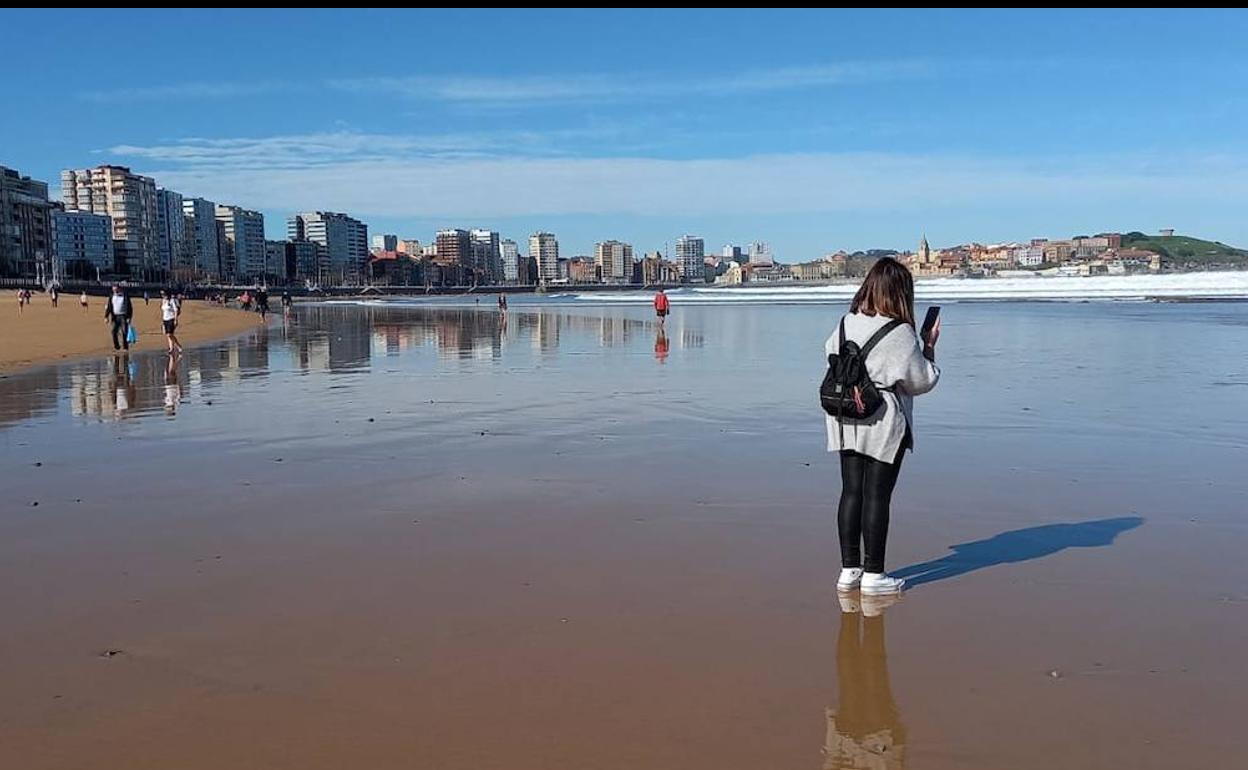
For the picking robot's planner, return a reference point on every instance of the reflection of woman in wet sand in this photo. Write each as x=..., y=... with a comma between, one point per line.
x=864, y=730
x=173, y=389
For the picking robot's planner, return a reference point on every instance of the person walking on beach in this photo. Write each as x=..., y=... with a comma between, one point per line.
x=147, y=299
x=262, y=303
x=53, y=295
x=286, y=302
x=119, y=310
x=879, y=332
x=170, y=309
x=82, y=299
x=661, y=307
x=21, y=300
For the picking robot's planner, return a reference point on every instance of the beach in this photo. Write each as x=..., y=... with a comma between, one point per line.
x=41, y=334
x=426, y=535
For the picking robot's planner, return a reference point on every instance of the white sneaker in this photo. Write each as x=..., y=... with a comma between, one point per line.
x=880, y=583
x=849, y=579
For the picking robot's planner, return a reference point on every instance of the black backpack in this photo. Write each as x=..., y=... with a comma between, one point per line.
x=847, y=392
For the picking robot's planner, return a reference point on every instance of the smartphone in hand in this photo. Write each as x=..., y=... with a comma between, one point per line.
x=925, y=331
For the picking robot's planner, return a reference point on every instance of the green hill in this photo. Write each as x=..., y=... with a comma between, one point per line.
x=1181, y=251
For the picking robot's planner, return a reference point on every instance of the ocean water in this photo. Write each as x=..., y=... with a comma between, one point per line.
x=1173, y=286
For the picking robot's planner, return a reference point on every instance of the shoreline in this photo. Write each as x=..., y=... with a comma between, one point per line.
x=41, y=335
x=302, y=294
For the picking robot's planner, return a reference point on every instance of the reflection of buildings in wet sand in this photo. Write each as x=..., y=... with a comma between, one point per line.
x=311, y=350
x=350, y=339
x=254, y=357
x=209, y=366
x=86, y=388
x=33, y=395
x=325, y=338
x=613, y=332
x=469, y=334
x=391, y=339
x=543, y=329
x=120, y=386
x=333, y=338
x=462, y=332
x=864, y=730
x=108, y=388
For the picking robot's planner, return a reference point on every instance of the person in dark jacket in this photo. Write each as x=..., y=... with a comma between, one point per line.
x=119, y=310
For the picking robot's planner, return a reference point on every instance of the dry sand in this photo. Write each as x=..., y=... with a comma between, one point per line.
x=41, y=334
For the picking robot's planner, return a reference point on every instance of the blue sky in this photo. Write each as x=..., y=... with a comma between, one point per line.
x=811, y=130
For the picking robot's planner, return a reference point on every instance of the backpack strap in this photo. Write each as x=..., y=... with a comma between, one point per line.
x=875, y=338
x=841, y=331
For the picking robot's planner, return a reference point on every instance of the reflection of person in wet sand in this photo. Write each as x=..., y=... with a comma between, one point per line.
x=122, y=384
x=864, y=730
x=661, y=345
x=173, y=389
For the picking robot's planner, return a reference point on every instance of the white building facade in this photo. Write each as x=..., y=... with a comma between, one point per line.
x=246, y=255
x=690, y=257
x=129, y=200
x=615, y=261
x=545, y=249
x=344, y=238
x=509, y=254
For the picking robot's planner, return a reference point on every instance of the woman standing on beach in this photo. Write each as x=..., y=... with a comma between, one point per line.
x=902, y=366
x=170, y=309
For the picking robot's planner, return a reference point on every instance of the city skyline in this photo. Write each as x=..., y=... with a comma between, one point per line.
x=989, y=126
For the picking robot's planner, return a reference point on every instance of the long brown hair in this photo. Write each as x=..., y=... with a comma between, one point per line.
x=888, y=290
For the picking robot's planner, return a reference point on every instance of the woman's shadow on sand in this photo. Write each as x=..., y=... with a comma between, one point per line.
x=1018, y=545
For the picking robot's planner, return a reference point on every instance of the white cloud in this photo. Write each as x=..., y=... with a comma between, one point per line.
x=581, y=88
x=476, y=188
x=301, y=151
x=542, y=88
x=186, y=91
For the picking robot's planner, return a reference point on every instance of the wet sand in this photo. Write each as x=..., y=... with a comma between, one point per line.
x=396, y=539
x=41, y=334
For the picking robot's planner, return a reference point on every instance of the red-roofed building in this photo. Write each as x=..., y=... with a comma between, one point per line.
x=393, y=268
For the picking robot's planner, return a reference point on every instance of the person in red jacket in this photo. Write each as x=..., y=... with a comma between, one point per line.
x=661, y=306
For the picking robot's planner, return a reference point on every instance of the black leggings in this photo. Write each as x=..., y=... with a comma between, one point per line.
x=866, y=491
